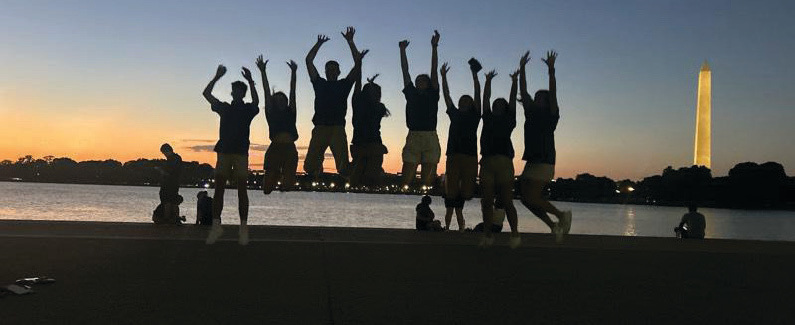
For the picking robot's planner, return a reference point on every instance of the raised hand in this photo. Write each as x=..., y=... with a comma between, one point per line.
x=348, y=33
x=474, y=65
x=261, y=64
x=403, y=44
x=444, y=69
x=435, y=38
x=491, y=74
x=514, y=75
x=372, y=79
x=322, y=39
x=220, y=71
x=293, y=66
x=361, y=54
x=246, y=73
x=525, y=58
x=550, y=59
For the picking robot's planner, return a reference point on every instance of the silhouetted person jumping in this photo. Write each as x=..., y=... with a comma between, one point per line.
x=422, y=104
x=496, y=166
x=461, y=169
x=232, y=149
x=541, y=119
x=169, y=186
x=281, y=158
x=693, y=224
x=331, y=106
x=367, y=149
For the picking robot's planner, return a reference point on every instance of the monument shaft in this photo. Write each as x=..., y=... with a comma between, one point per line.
x=703, y=150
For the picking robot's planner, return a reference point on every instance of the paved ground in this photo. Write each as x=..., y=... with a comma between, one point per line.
x=142, y=273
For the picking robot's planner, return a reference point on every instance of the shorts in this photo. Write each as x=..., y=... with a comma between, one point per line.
x=366, y=167
x=281, y=162
x=496, y=171
x=422, y=147
x=460, y=176
x=323, y=137
x=539, y=172
x=231, y=165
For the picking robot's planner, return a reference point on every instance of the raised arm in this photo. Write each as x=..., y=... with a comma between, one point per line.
x=208, y=91
x=487, y=92
x=293, y=68
x=358, y=69
x=512, y=100
x=553, y=88
x=251, y=85
x=475, y=67
x=435, y=59
x=445, y=88
x=261, y=65
x=310, y=57
x=404, y=63
x=357, y=62
x=523, y=76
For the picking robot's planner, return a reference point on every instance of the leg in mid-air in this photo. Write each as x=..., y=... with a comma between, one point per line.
x=221, y=172
x=321, y=138
x=289, y=168
x=538, y=212
x=506, y=197
x=428, y=173
x=339, y=149
x=240, y=173
x=271, y=166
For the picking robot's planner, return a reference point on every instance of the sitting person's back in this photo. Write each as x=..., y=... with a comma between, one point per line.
x=693, y=224
x=204, y=209
x=425, y=216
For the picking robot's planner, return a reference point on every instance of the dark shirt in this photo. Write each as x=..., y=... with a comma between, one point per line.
x=366, y=120
x=421, y=108
x=495, y=138
x=696, y=224
x=463, y=135
x=280, y=121
x=235, y=126
x=173, y=170
x=331, y=101
x=539, y=133
x=204, y=211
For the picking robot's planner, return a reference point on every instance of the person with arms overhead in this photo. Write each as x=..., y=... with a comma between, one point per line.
x=367, y=149
x=422, y=105
x=461, y=170
x=541, y=120
x=496, y=165
x=232, y=149
x=281, y=158
x=331, y=106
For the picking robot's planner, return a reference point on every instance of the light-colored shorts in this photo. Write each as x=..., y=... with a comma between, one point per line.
x=422, y=147
x=496, y=171
x=231, y=165
x=539, y=172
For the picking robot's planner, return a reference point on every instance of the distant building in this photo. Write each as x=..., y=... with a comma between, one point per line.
x=703, y=150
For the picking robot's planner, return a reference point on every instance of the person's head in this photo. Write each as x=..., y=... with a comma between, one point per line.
x=499, y=107
x=372, y=91
x=280, y=100
x=542, y=99
x=692, y=208
x=332, y=70
x=166, y=149
x=466, y=103
x=426, y=200
x=201, y=194
x=422, y=82
x=238, y=90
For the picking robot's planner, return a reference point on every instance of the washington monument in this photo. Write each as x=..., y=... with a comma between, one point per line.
x=703, y=151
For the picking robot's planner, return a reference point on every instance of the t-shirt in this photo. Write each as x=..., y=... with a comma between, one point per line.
x=463, y=135
x=173, y=170
x=539, y=133
x=366, y=120
x=331, y=101
x=421, y=108
x=235, y=126
x=696, y=224
x=280, y=121
x=495, y=138
x=204, y=211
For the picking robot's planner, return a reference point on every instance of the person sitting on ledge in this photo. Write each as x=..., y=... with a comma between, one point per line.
x=692, y=224
x=425, y=216
x=204, y=209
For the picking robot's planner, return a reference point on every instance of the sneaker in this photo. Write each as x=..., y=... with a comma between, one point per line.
x=515, y=241
x=557, y=230
x=215, y=232
x=486, y=241
x=243, y=239
x=566, y=222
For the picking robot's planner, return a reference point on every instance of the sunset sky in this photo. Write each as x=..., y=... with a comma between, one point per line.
x=115, y=79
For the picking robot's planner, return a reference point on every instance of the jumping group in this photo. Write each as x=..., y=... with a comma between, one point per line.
x=422, y=148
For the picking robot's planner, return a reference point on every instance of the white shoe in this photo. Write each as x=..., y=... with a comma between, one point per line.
x=515, y=241
x=486, y=241
x=215, y=232
x=243, y=239
x=566, y=222
x=557, y=230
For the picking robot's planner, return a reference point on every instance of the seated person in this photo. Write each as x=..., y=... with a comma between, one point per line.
x=161, y=217
x=692, y=225
x=204, y=209
x=425, y=216
x=499, y=219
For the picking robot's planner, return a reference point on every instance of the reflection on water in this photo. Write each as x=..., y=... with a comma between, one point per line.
x=135, y=204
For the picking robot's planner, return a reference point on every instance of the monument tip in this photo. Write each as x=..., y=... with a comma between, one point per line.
x=705, y=66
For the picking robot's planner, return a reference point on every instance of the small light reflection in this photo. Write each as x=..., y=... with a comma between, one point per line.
x=629, y=228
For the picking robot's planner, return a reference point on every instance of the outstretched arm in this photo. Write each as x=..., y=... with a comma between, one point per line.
x=435, y=60
x=445, y=88
x=512, y=100
x=293, y=68
x=251, y=85
x=404, y=63
x=487, y=92
x=208, y=91
x=553, y=88
x=523, y=76
x=357, y=62
x=261, y=65
x=475, y=67
x=310, y=57
x=358, y=57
